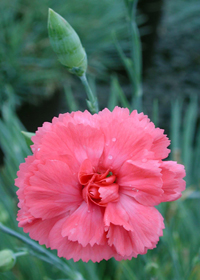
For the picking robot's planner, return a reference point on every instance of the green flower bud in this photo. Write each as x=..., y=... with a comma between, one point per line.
x=7, y=260
x=66, y=44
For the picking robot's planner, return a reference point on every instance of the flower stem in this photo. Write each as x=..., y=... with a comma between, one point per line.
x=50, y=258
x=19, y=254
x=92, y=102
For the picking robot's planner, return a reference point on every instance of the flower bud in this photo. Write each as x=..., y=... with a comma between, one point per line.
x=7, y=260
x=66, y=44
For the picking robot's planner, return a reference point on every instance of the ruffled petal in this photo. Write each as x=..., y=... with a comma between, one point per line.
x=85, y=225
x=86, y=172
x=85, y=118
x=142, y=180
x=124, y=141
x=160, y=144
x=116, y=214
x=145, y=227
x=26, y=170
x=77, y=117
x=160, y=141
x=173, y=183
x=109, y=193
x=69, y=249
x=36, y=139
x=39, y=229
x=106, y=116
x=80, y=141
x=53, y=190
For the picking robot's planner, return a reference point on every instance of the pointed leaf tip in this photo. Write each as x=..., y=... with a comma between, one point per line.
x=28, y=136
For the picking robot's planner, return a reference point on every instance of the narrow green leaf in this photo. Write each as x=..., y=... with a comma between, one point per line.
x=155, y=112
x=175, y=136
x=196, y=167
x=71, y=101
x=121, y=95
x=113, y=97
x=27, y=136
x=188, y=136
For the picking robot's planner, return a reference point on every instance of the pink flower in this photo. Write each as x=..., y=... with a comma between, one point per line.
x=90, y=187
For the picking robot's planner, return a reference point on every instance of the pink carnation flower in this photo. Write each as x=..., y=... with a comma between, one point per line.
x=90, y=187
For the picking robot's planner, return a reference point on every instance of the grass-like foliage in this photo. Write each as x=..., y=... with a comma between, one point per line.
x=27, y=60
x=30, y=71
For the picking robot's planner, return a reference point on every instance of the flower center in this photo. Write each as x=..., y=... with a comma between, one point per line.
x=99, y=188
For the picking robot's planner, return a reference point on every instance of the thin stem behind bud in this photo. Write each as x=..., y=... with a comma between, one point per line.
x=19, y=254
x=92, y=102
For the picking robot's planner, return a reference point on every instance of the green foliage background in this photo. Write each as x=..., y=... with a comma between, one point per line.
x=30, y=72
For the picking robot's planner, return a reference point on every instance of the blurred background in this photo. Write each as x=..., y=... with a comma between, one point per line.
x=35, y=87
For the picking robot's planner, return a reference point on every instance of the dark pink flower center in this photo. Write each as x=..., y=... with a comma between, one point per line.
x=99, y=188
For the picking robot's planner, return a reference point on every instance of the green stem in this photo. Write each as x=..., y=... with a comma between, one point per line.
x=19, y=254
x=135, y=68
x=92, y=102
x=55, y=261
x=136, y=55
